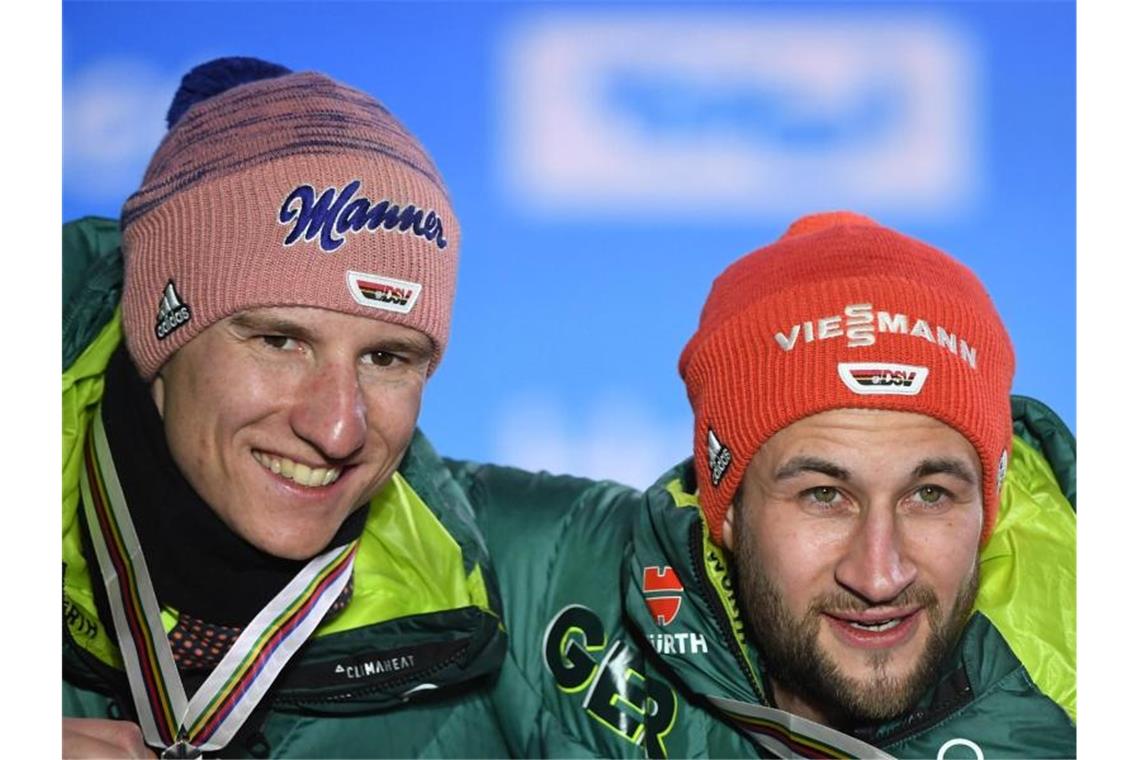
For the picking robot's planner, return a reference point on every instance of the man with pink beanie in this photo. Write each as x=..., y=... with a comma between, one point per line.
x=262, y=555
x=870, y=554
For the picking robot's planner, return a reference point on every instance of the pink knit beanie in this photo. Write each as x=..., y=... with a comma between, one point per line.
x=293, y=190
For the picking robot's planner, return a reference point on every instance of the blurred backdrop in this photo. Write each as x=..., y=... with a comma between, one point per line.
x=607, y=160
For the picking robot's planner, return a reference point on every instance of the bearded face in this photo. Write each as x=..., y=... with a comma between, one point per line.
x=885, y=686
x=855, y=539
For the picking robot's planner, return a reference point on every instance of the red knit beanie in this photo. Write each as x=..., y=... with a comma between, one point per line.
x=292, y=190
x=838, y=313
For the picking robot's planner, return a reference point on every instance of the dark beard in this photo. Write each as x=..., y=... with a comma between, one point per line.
x=794, y=659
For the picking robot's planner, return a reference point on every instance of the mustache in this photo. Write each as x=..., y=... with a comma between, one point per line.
x=841, y=601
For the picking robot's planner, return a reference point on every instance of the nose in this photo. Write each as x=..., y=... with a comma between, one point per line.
x=330, y=412
x=875, y=564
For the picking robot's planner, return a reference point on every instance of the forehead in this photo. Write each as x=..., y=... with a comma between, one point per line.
x=872, y=439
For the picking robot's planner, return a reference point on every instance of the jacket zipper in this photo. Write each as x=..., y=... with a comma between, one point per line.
x=920, y=720
x=720, y=616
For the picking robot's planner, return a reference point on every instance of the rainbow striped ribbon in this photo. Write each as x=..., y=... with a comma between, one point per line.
x=791, y=736
x=209, y=720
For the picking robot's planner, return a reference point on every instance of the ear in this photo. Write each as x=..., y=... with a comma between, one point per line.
x=158, y=393
x=726, y=536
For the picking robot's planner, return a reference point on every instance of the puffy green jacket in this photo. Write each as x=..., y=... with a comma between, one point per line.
x=588, y=671
x=404, y=670
x=591, y=671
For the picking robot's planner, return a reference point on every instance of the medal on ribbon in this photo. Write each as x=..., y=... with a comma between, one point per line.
x=790, y=736
x=206, y=722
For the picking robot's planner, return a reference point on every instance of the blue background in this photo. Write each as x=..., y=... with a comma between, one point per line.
x=569, y=318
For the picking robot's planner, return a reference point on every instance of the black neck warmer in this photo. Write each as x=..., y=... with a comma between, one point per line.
x=197, y=565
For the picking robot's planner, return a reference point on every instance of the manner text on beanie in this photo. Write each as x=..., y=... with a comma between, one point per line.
x=291, y=190
x=842, y=312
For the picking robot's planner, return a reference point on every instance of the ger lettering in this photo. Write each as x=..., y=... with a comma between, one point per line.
x=620, y=693
x=332, y=214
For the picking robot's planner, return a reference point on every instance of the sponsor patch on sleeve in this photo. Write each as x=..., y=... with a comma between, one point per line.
x=383, y=292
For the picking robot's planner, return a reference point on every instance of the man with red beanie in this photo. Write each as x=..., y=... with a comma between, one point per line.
x=871, y=553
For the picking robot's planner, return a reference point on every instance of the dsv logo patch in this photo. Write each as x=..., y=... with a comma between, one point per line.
x=385, y=293
x=618, y=695
x=879, y=379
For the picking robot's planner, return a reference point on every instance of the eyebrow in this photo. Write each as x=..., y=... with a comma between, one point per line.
x=948, y=466
x=256, y=323
x=943, y=466
x=798, y=465
x=418, y=345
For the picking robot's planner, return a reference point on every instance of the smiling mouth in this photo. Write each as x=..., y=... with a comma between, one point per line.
x=301, y=474
x=875, y=629
x=884, y=625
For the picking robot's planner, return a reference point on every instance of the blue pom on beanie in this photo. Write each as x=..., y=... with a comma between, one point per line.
x=208, y=79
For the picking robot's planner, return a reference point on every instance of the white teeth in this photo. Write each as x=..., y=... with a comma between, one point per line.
x=886, y=625
x=301, y=474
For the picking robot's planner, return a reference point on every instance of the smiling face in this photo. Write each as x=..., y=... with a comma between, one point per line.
x=855, y=540
x=286, y=419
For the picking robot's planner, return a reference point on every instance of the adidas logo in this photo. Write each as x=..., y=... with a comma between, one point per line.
x=172, y=312
x=719, y=458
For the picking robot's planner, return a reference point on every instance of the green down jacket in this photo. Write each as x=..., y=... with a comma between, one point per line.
x=589, y=671
x=404, y=670
x=624, y=626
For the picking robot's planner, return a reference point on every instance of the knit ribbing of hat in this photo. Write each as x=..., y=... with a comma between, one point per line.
x=301, y=114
